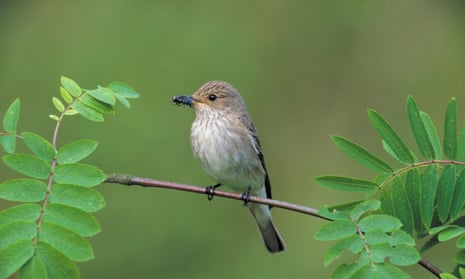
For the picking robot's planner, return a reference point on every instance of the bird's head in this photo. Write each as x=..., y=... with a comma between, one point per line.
x=213, y=95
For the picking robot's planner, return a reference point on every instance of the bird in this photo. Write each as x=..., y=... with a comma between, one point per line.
x=225, y=140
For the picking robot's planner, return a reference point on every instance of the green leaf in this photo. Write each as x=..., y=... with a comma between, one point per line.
x=362, y=208
x=24, y=212
x=345, y=271
x=65, y=95
x=123, y=101
x=28, y=165
x=458, y=200
x=460, y=257
x=33, y=269
x=380, y=271
x=346, y=184
x=347, y=206
x=403, y=154
x=413, y=189
x=67, y=242
x=23, y=190
x=447, y=276
x=58, y=266
x=352, y=243
x=384, y=222
x=96, y=104
x=429, y=180
x=83, y=198
x=54, y=117
x=451, y=232
x=387, y=206
x=362, y=156
x=438, y=229
x=74, y=219
x=418, y=129
x=76, y=151
x=460, y=242
x=58, y=104
x=16, y=231
x=87, y=112
x=41, y=147
x=336, y=230
x=432, y=134
x=460, y=145
x=8, y=142
x=71, y=86
x=402, y=208
x=401, y=237
x=402, y=255
x=332, y=214
x=10, y=120
x=445, y=191
x=450, y=130
x=14, y=256
x=78, y=174
x=376, y=236
x=71, y=112
x=103, y=94
x=123, y=90
x=462, y=272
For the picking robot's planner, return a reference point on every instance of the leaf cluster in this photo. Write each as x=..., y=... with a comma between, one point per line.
x=44, y=234
x=376, y=238
x=426, y=196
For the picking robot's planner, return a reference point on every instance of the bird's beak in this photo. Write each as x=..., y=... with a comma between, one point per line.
x=184, y=100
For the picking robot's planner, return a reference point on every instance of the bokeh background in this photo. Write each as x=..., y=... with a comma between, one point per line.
x=306, y=69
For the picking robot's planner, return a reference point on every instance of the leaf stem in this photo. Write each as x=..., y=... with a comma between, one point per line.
x=6, y=134
x=418, y=165
x=51, y=175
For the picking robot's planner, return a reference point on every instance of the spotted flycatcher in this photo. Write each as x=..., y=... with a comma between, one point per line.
x=225, y=140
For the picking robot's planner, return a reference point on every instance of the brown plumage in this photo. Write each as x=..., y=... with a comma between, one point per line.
x=225, y=140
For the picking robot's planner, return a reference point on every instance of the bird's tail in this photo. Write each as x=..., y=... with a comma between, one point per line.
x=270, y=235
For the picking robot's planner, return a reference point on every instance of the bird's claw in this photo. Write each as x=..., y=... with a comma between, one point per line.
x=246, y=197
x=210, y=191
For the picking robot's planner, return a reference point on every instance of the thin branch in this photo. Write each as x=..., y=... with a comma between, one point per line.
x=7, y=134
x=147, y=182
x=130, y=180
x=430, y=267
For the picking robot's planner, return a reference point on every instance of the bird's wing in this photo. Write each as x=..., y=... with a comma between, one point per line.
x=251, y=127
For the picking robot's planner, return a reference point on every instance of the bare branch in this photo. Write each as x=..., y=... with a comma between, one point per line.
x=130, y=180
x=147, y=182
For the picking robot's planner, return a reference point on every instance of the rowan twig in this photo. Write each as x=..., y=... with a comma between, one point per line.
x=148, y=182
x=131, y=180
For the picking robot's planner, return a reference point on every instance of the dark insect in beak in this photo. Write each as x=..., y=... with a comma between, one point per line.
x=182, y=100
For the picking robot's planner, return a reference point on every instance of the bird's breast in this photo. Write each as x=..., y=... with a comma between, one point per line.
x=226, y=151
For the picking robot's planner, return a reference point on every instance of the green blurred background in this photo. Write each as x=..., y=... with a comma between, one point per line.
x=306, y=69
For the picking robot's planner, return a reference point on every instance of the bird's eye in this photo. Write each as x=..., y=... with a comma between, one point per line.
x=212, y=97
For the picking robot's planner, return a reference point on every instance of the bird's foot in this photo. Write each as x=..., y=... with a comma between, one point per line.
x=246, y=197
x=210, y=191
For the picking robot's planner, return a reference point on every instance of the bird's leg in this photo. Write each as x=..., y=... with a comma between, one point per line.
x=210, y=191
x=246, y=196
